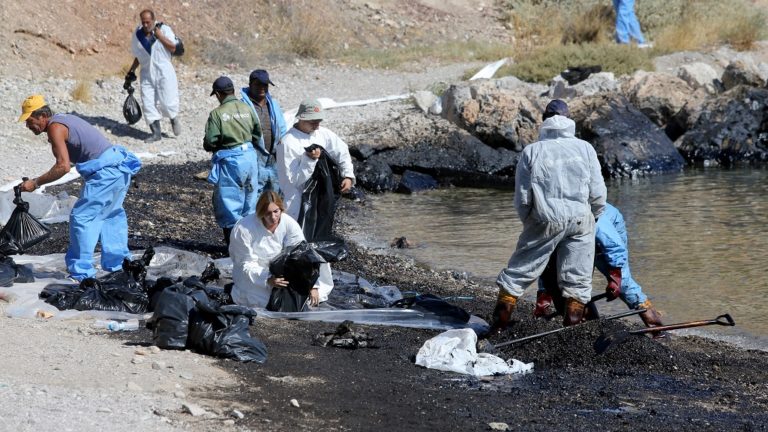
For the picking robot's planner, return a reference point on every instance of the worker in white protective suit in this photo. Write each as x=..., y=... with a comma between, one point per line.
x=153, y=43
x=258, y=239
x=559, y=194
x=300, y=150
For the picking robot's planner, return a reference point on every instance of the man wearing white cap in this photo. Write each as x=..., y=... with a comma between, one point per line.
x=302, y=147
x=297, y=157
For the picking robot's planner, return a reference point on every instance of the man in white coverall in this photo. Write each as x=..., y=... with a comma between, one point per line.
x=296, y=160
x=152, y=44
x=295, y=164
x=559, y=193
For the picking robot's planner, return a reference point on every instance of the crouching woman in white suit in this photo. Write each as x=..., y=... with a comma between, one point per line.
x=258, y=239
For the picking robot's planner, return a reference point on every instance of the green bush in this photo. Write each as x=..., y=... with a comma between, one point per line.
x=546, y=63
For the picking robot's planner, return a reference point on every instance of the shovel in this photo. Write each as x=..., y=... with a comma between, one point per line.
x=606, y=342
x=547, y=333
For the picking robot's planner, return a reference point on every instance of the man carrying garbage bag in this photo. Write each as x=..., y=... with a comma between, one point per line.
x=559, y=193
x=106, y=170
x=230, y=132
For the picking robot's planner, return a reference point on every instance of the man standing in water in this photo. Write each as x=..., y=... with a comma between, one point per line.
x=559, y=193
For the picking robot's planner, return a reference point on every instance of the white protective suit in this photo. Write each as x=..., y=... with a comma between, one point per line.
x=559, y=192
x=295, y=167
x=159, y=86
x=252, y=247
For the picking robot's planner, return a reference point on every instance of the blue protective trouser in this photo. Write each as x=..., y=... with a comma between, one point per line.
x=631, y=292
x=267, y=173
x=99, y=215
x=627, y=25
x=235, y=174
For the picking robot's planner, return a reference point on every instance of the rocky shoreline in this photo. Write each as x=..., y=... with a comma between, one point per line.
x=685, y=383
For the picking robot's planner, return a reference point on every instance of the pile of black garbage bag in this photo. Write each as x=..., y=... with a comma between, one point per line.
x=188, y=314
x=192, y=315
x=121, y=291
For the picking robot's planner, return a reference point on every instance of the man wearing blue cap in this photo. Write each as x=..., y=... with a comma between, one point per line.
x=272, y=122
x=559, y=193
x=231, y=130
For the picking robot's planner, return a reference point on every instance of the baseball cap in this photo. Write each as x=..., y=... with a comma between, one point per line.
x=310, y=109
x=221, y=84
x=30, y=105
x=555, y=107
x=260, y=75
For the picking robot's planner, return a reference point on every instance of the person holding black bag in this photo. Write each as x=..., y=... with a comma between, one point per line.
x=153, y=43
x=256, y=240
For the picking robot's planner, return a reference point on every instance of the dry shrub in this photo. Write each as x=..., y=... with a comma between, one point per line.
x=305, y=28
x=595, y=25
x=82, y=91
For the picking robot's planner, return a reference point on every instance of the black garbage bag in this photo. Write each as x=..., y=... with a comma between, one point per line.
x=318, y=199
x=11, y=273
x=22, y=231
x=118, y=293
x=62, y=296
x=223, y=331
x=170, y=321
x=332, y=250
x=131, y=108
x=446, y=312
x=300, y=265
x=121, y=291
x=577, y=74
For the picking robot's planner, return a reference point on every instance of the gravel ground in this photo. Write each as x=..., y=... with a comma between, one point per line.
x=28, y=155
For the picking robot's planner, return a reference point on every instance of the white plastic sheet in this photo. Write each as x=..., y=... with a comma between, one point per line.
x=489, y=71
x=454, y=351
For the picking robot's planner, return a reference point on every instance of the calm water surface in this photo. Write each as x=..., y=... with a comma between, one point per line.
x=698, y=240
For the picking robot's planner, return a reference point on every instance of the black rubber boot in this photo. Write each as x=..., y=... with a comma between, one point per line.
x=155, y=128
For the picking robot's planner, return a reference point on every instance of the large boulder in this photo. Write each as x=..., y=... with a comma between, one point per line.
x=498, y=112
x=729, y=129
x=627, y=142
x=428, y=145
x=701, y=75
x=661, y=97
x=742, y=72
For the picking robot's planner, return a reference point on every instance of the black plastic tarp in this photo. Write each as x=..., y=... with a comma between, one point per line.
x=318, y=199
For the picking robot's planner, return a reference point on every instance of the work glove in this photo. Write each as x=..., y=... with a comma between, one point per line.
x=543, y=302
x=502, y=313
x=129, y=78
x=613, y=289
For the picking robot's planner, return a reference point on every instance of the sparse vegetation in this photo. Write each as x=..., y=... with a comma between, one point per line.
x=82, y=91
x=552, y=35
x=446, y=52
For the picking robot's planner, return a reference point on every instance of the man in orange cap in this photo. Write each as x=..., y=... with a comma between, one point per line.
x=106, y=170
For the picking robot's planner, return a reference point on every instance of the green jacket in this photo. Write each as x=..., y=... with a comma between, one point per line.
x=232, y=123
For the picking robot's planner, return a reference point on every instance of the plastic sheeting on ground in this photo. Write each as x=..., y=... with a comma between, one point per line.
x=359, y=297
x=455, y=351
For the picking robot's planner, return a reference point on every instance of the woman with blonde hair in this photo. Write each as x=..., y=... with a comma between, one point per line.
x=258, y=239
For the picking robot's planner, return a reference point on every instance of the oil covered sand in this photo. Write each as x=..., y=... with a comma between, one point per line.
x=677, y=383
